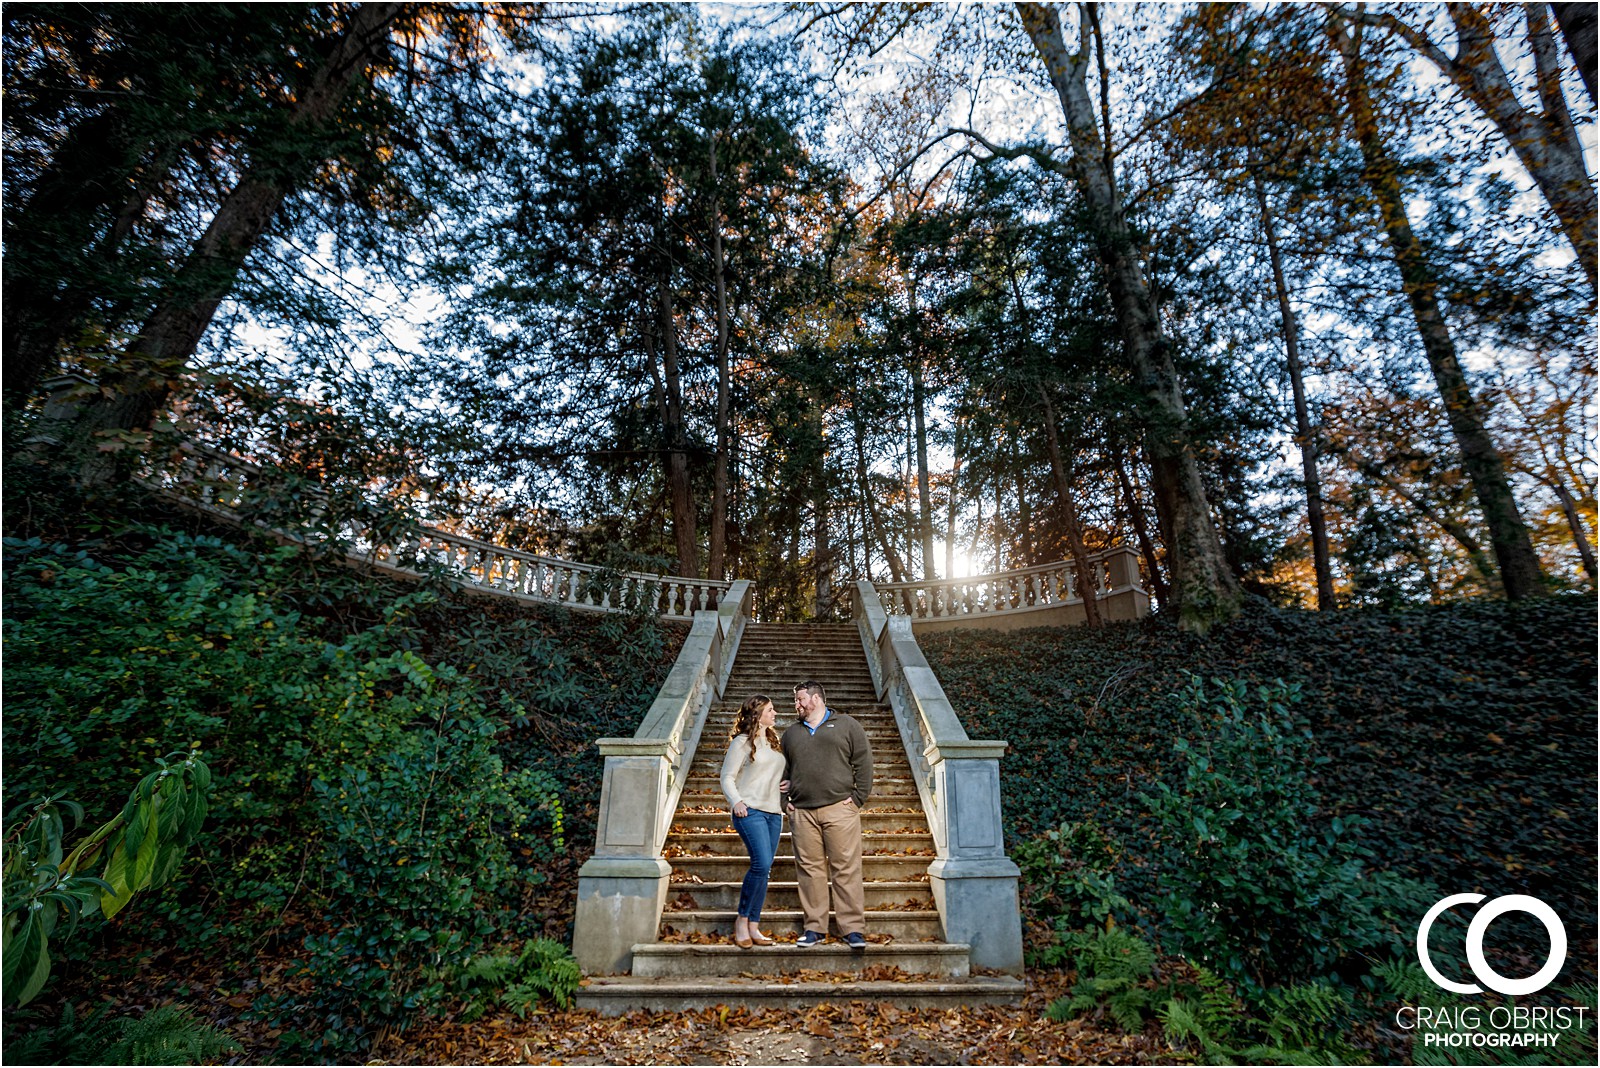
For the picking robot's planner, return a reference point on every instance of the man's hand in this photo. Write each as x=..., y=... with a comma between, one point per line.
x=783, y=787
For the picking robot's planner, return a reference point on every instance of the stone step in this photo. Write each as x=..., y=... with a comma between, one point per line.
x=906, y=926
x=888, y=760
x=620, y=995
x=716, y=742
x=717, y=868
x=697, y=788
x=870, y=716
x=733, y=845
x=881, y=897
x=853, y=700
x=688, y=960
x=713, y=814
x=719, y=734
x=873, y=821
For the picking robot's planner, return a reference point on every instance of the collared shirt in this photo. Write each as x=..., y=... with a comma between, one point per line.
x=827, y=713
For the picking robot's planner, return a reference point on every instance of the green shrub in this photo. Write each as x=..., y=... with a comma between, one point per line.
x=418, y=816
x=1068, y=880
x=1256, y=883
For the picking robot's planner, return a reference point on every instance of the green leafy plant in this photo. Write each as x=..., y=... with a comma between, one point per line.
x=1259, y=884
x=418, y=813
x=142, y=847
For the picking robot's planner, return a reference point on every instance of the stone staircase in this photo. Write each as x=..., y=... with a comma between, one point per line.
x=694, y=963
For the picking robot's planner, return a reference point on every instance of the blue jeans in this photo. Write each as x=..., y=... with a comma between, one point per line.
x=760, y=832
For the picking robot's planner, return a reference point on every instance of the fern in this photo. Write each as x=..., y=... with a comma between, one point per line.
x=167, y=1035
x=547, y=969
x=1114, y=970
x=1062, y=1009
x=1115, y=954
x=1299, y=1027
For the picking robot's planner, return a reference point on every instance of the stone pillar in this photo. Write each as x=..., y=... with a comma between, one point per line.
x=1125, y=599
x=57, y=421
x=623, y=887
x=974, y=883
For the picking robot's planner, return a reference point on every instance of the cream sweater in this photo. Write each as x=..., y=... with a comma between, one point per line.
x=753, y=781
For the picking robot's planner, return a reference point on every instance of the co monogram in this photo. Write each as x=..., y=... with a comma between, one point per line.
x=1475, y=932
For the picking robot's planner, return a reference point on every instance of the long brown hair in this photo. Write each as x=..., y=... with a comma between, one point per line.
x=750, y=715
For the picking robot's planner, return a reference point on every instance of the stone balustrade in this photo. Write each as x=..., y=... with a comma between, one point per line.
x=958, y=779
x=622, y=889
x=219, y=482
x=1044, y=595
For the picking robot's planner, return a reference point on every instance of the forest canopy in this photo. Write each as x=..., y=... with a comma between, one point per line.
x=1297, y=301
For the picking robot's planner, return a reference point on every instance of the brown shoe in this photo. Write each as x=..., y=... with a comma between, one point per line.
x=758, y=938
x=741, y=932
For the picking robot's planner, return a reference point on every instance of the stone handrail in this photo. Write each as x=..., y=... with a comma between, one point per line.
x=217, y=481
x=1022, y=589
x=958, y=780
x=622, y=889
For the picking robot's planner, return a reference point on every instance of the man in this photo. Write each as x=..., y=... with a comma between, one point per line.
x=827, y=782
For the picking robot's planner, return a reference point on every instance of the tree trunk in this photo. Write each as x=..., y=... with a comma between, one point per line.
x=999, y=508
x=70, y=201
x=1305, y=434
x=1204, y=589
x=719, y=486
x=161, y=352
x=677, y=444
x=821, y=544
x=1580, y=536
x=1513, y=549
x=950, y=507
x=919, y=401
x=1578, y=27
x=1025, y=548
x=1141, y=530
x=897, y=568
x=1546, y=142
x=1081, y=565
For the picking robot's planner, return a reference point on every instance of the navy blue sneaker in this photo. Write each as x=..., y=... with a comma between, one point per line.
x=856, y=941
x=811, y=938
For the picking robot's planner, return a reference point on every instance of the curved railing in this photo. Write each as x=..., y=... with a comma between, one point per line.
x=1023, y=590
x=218, y=482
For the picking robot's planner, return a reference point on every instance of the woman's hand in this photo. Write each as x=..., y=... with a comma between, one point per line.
x=741, y=809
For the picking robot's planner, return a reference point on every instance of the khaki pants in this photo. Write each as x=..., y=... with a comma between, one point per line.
x=827, y=847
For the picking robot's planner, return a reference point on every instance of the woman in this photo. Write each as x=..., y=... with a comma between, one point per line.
x=750, y=775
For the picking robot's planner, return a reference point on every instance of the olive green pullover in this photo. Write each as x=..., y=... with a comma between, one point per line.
x=829, y=765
